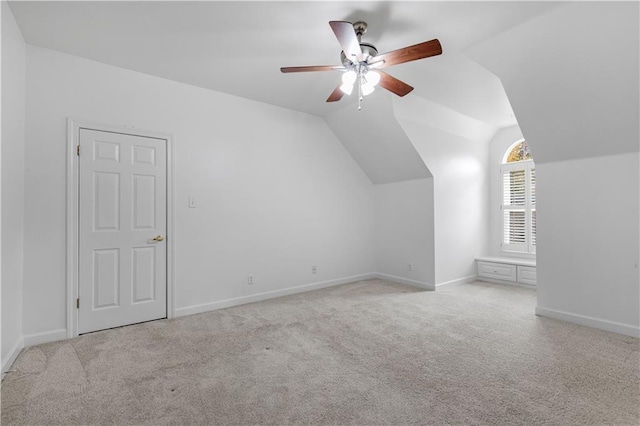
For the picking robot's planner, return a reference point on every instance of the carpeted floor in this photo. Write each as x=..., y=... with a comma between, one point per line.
x=366, y=353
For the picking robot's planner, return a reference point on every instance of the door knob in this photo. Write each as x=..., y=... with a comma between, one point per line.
x=158, y=238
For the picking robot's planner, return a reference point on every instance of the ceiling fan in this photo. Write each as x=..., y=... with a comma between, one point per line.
x=361, y=63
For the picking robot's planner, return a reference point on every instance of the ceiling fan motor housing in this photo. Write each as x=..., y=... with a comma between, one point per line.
x=368, y=51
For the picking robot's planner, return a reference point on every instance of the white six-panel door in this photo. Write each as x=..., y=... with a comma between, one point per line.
x=122, y=229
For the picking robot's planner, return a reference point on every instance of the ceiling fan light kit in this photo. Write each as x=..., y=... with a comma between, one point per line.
x=361, y=62
x=367, y=80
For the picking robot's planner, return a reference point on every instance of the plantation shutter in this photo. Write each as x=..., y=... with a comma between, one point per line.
x=513, y=206
x=518, y=206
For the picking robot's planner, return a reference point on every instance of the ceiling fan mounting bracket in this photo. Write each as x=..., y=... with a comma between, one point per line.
x=360, y=28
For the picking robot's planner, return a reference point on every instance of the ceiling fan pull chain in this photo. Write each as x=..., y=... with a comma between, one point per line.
x=359, y=90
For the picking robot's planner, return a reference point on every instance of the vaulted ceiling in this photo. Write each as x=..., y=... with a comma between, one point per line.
x=239, y=47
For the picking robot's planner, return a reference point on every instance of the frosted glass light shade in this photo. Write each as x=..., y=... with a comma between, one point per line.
x=372, y=77
x=367, y=89
x=347, y=88
x=349, y=77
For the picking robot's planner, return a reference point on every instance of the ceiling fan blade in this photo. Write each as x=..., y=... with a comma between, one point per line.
x=408, y=54
x=311, y=68
x=336, y=95
x=348, y=39
x=394, y=85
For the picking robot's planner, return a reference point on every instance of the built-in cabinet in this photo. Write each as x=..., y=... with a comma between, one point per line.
x=498, y=269
x=526, y=274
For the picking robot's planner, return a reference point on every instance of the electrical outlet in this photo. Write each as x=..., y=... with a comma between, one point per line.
x=314, y=269
x=250, y=279
x=409, y=266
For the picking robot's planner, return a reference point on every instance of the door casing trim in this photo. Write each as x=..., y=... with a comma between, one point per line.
x=73, y=202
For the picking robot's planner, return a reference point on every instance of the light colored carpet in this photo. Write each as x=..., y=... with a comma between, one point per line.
x=366, y=353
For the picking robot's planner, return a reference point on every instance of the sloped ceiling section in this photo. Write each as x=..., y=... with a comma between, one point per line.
x=458, y=83
x=557, y=69
x=444, y=149
x=443, y=118
x=376, y=141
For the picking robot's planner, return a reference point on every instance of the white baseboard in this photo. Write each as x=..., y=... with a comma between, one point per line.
x=8, y=360
x=463, y=280
x=400, y=280
x=615, y=327
x=227, y=303
x=45, y=337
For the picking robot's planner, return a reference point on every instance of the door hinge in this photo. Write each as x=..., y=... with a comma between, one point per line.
x=78, y=303
x=78, y=150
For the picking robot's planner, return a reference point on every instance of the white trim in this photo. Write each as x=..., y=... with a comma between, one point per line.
x=463, y=280
x=45, y=337
x=509, y=260
x=227, y=303
x=10, y=358
x=615, y=327
x=73, y=129
x=406, y=281
x=171, y=246
x=72, y=231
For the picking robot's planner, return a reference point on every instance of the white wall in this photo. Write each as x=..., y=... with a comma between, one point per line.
x=589, y=240
x=13, y=130
x=502, y=141
x=276, y=190
x=575, y=92
x=404, y=232
x=461, y=191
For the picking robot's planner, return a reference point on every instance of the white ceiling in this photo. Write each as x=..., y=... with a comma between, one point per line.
x=238, y=47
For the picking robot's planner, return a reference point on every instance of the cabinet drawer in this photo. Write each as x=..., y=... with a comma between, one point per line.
x=500, y=271
x=527, y=275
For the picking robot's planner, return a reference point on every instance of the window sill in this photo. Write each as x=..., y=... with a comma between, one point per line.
x=509, y=260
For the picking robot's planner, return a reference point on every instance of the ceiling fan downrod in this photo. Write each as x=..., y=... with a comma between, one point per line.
x=360, y=28
x=359, y=91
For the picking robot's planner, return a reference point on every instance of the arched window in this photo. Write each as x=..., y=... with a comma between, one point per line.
x=518, y=199
x=519, y=151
